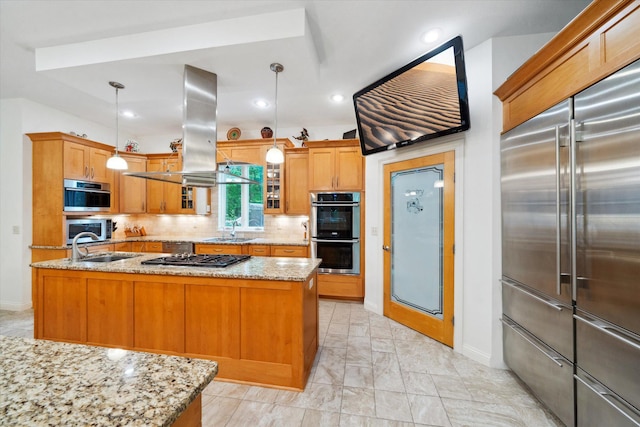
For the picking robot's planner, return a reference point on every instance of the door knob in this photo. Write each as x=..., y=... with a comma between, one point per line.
x=386, y=248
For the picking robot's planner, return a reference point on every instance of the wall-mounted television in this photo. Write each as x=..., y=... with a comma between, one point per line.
x=425, y=99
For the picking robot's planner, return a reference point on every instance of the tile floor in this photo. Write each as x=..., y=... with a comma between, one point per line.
x=369, y=371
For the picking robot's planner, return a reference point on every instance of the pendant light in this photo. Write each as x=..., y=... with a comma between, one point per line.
x=275, y=155
x=115, y=161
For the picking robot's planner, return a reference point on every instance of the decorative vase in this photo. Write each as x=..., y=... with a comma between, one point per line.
x=266, y=132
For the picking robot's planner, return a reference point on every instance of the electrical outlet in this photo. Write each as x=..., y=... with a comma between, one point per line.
x=374, y=231
x=16, y=229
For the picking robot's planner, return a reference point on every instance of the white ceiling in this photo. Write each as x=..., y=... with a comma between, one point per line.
x=326, y=47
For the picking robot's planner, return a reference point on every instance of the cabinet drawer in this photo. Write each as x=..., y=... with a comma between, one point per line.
x=259, y=250
x=609, y=354
x=289, y=251
x=219, y=249
x=547, y=373
x=598, y=406
x=153, y=247
x=547, y=319
x=122, y=246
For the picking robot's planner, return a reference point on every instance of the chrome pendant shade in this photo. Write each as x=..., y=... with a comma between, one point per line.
x=115, y=161
x=274, y=154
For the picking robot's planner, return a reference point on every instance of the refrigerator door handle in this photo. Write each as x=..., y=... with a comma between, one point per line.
x=612, y=332
x=613, y=400
x=534, y=296
x=574, y=239
x=558, y=257
x=524, y=336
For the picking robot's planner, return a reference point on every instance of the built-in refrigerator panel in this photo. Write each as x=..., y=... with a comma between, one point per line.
x=535, y=190
x=607, y=117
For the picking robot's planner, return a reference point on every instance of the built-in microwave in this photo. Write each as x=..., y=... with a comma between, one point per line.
x=100, y=227
x=85, y=196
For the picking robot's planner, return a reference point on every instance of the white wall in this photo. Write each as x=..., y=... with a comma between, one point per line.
x=18, y=117
x=477, y=332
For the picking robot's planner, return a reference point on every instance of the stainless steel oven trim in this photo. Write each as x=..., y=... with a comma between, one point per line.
x=356, y=257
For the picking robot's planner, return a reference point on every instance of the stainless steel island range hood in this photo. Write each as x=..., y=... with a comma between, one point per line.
x=199, y=133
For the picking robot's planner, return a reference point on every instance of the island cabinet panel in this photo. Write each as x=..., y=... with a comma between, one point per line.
x=159, y=316
x=266, y=319
x=64, y=308
x=110, y=312
x=211, y=322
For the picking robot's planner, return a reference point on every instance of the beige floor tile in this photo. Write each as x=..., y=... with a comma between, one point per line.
x=218, y=410
x=252, y=414
x=313, y=418
x=392, y=405
x=451, y=387
x=226, y=389
x=419, y=383
x=347, y=420
x=358, y=376
x=428, y=410
x=358, y=401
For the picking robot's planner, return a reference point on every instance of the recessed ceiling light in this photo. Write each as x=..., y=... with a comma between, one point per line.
x=337, y=97
x=260, y=103
x=129, y=114
x=431, y=35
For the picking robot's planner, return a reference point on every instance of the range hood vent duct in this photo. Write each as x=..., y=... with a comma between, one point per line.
x=199, y=134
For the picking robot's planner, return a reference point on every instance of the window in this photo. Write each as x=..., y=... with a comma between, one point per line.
x=242, y=202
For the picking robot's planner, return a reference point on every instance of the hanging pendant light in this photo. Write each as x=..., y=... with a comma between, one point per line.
x=115, y=161
x=275, y=155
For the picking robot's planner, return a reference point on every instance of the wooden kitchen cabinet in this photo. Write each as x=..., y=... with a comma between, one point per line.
x=152, y=247
x=335, y=165
x=159, y=316
x=296, y=181
x=219, y=249
x=132, y=191
x=110, y=312
x=258, y=250
x=64, y=308
x=86, y=163
x=163, y=197
x=289, y=251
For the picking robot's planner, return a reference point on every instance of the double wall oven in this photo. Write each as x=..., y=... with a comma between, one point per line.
x=335, y=231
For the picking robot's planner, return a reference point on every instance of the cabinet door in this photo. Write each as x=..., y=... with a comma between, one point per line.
x=133, y=191
x=348, y=168
x=259, y=250
x=110, y=312
x=297, y=183
x=64, y=309
x=155, y=189
x=173, y=192
x=159, y=316
x=76, y=161
x=155, y=247
x=321, y=169
x=98, y=171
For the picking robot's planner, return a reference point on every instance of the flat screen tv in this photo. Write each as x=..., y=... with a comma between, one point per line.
x=425, y=99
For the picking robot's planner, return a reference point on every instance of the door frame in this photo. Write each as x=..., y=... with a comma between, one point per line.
x=439, y=329
x=374, y=297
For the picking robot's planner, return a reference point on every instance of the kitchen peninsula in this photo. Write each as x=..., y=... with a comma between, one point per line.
x=258, y=319
x=49, y=383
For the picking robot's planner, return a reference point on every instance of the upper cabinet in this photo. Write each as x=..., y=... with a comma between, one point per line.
x=335, y=165
x=602, y=39
x=165, y=197
x=296, y=162
x=86, y=163
x=132, y=190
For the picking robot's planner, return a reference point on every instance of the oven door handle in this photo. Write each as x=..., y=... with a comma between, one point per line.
x=313, y=239
x=317, y=204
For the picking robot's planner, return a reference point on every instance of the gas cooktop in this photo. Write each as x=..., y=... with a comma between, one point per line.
x=191, y=260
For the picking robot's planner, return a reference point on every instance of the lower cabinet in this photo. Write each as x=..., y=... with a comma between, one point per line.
x=219, y=249
x=290, y=251
x=107, y=300
x=64, y=309
x=158, y=311
x=341, y=286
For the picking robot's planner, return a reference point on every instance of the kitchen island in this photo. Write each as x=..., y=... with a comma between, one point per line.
x=49, y=383
x=258, y=319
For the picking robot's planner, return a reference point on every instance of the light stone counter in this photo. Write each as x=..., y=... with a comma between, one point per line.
x=260, y=268
x=50, y=383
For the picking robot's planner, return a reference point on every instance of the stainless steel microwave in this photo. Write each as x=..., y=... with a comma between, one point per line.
x=85, y=196
x=100, y=227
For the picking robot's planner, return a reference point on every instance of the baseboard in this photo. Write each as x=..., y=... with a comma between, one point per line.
x=477, y=355
x=12, y=306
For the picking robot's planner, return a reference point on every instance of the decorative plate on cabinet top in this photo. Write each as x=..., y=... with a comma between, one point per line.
x=234, y=133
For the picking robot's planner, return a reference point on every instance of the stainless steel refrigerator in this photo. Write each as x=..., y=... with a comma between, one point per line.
x=571, y=253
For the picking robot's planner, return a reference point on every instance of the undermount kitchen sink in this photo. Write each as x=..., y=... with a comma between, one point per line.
x=108, y=258
x=228, y=239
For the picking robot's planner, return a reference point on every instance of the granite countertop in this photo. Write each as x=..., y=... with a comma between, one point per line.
x=195, y=240
x=50, y=383
x=260, y=268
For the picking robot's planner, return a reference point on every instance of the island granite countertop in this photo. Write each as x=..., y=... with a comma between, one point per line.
x=259, y=268
x=51, y=383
